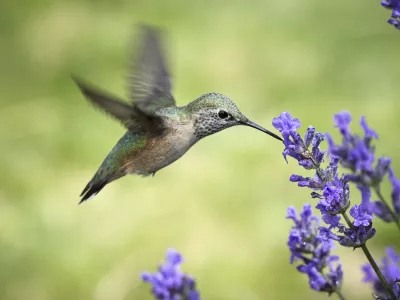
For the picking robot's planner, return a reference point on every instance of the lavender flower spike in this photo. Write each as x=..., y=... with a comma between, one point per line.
x=355, y=153
x=393, y=5
x=170, y=283
x=307, y=246
x=335, y=198
x=298, y=147
x=382, y=210
x=395, y=191
x=361, y=230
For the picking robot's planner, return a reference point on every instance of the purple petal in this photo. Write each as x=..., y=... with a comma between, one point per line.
x=331, y=220
x=342, y=121
x=381, y=211
x=369, y=133
x=365, y=197
x=291, y=213
x=309, y=135
x=395, y=190
x=174, y=257
x=286, y=122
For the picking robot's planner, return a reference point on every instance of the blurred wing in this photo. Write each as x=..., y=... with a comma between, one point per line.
x=149, y=81
x=130, y=116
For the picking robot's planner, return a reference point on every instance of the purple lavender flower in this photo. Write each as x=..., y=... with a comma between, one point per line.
x=317, y=153
x=356, y=153
x=361, y=229
x=285, y=122
x=361, y=216
x=382, y=168
x=365, y=198
x=305, y=229
x=362, y=157
x=380, y=209
x=391, y=271
x=393, y=5
x=298, y=148
x=333, y=221
x=309, y=136
x=312, y=183
x=295, y=145
x=342, y=121
x=368, y=132
x=313, y=252
x=336, y=197
x=170, y=283
x=395, y=191
x=353, y=237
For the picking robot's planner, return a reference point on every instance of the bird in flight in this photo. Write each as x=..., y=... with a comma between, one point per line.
x=158, y=131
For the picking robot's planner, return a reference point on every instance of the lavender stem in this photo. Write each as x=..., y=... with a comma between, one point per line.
x=340, y=295
x=372, y=262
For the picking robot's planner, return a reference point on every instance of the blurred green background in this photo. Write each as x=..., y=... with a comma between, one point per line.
x=223, y=204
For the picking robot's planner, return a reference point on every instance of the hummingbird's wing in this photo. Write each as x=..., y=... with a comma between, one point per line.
x=129, y=115
x=149, y=81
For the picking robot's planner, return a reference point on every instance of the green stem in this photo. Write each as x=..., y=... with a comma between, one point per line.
x=392, y=213
x=378, y=272
x=346, y=217
x=372, y=262
x=340, y=295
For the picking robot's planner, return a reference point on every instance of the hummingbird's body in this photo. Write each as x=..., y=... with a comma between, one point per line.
x=159, y=132
x=146, y=153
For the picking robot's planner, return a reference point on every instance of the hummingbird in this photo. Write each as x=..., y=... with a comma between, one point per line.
x=158, y=132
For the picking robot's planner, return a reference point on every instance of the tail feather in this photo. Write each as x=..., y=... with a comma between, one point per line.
x=97, y=184
x=92, y=189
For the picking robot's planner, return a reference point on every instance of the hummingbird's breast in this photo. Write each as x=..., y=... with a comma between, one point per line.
x=161, y=150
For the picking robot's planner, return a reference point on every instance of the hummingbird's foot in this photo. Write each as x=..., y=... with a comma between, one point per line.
x=152, y=174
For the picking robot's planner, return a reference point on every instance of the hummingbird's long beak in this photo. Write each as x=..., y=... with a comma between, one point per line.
x=254, y=125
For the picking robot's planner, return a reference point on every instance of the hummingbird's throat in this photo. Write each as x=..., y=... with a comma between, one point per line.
x=208, y=124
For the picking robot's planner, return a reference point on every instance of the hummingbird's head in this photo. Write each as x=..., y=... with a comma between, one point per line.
x=214, y=112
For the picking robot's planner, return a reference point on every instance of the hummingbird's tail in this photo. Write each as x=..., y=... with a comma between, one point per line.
x=97, y=183
x=91, y=190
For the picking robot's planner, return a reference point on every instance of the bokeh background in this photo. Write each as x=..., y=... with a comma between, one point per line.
x=223, y=204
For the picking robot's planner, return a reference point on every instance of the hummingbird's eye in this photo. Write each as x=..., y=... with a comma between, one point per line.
x=223, y=114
